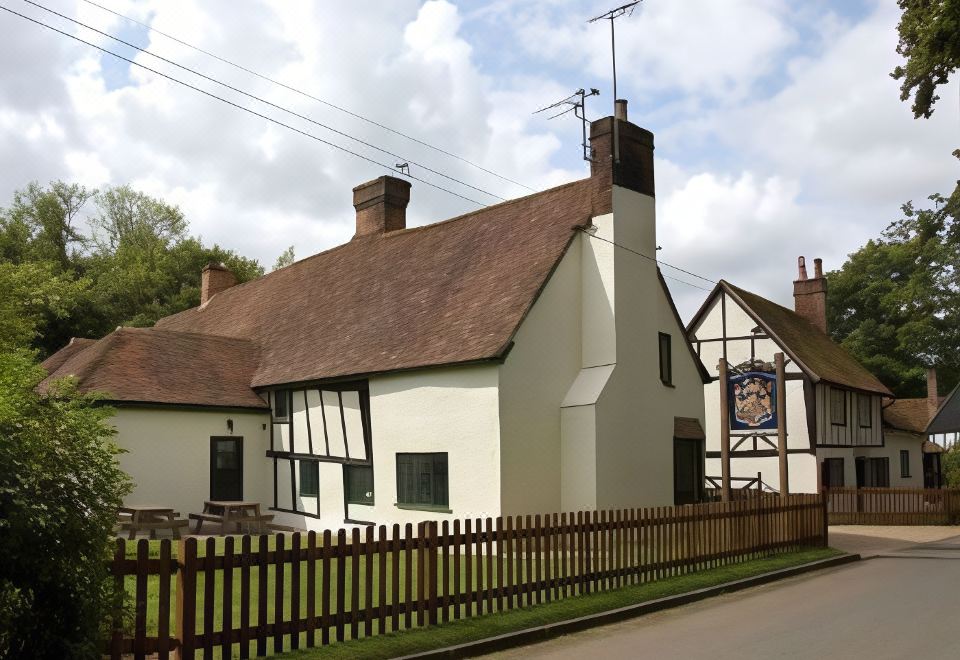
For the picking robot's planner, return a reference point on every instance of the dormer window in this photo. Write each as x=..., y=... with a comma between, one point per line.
x=281, y=406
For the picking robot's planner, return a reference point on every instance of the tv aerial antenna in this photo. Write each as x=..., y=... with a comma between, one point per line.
x=575, y=103
x=612, y=16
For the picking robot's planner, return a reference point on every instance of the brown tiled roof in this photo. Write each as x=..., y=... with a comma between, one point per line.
x=146, y=365
x=908, y=415
x=76, y=345
x=688, y=428
x=816, y=351
x=447, y=293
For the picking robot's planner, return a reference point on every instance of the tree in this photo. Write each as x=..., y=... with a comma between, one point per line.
x=895, y=303
x=285, y=259
x=950, y=464
x=60, y=486
x=41, y=224
x=33, y=297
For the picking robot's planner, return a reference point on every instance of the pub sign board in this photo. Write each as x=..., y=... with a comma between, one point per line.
x=752, y=398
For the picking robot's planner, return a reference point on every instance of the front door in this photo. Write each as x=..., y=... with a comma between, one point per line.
x=688, y=460
x=226, y=468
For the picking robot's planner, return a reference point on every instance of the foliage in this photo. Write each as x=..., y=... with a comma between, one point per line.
x=128, y=261
x=930, y=41
x=950, y=464
x=60, y=486
x=286, y=258
x=895, y=303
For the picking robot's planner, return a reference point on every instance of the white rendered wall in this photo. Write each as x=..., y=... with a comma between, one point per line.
x=534, y=380
x=168, y=455
x=894, y=441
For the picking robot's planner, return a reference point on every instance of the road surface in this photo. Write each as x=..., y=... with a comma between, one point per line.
x=906, y=605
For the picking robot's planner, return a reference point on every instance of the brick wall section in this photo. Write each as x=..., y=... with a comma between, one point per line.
x=635, y=169
x=810, y=296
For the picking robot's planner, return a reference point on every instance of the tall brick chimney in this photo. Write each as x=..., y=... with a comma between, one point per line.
x=381, y=205
x=629, y=166
x=933, y=396
x=810, y=294
x=214, y=278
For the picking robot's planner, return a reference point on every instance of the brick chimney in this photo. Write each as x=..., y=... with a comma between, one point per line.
x=381, y=205
x=933, y=396
x=810, y=294
x=214, y=278
x=629, y=166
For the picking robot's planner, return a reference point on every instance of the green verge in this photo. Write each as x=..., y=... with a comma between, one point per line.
x=468, y=630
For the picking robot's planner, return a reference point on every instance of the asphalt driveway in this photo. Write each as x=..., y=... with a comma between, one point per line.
x=901, y=605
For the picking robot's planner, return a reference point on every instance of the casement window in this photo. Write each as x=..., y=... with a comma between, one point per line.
x=838, y=407
x=422, y=480
x=309, y=479
x=833, y=473
x=864, y=418
x=358, y=483
x=281, y=406
x=876, y=472
x=666, y=359
x=904, y=463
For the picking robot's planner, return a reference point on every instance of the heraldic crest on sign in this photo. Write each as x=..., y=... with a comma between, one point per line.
x=753, y=401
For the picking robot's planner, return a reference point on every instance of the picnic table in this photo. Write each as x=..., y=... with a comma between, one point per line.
x=241, y=516
x=146, y=518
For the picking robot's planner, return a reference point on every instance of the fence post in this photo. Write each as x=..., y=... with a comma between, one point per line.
x=116, y=627
x=187, y=598
x=431, y=548
x=826, y=522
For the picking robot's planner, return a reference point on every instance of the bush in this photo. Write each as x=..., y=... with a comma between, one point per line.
x=950, y=464
x=60, y=486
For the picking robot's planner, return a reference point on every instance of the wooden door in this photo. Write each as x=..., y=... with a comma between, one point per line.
x=226, y=468
x=688, y=459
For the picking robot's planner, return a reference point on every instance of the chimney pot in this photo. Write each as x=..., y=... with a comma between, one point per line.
x=214, y=278
x=810, y=295
x=381, y=205
x=620, y=109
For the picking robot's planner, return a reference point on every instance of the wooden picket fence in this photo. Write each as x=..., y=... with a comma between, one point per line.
x=893, y=506
x=259, y=595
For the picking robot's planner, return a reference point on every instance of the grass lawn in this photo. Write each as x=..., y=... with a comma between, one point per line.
x=466, y=630
x=401, y=642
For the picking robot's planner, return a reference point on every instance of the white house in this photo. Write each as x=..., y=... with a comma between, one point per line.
x=834, y=407
x=510, y=360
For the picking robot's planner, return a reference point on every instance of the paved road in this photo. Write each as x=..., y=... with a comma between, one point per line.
x=903, y=606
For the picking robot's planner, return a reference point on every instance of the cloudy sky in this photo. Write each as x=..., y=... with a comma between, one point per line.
x=778, y=129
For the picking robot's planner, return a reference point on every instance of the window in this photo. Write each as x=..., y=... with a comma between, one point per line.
x=358, y=483
x=838, y=407
x=281, y=406
x=309, y=479
x=422, y=480
x=666, y=361
x=864, y=416
x=904, y=463
x=876, y=472
x=833, y=473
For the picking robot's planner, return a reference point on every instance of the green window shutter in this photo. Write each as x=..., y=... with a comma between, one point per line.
x=359, y=483
x=309, y=478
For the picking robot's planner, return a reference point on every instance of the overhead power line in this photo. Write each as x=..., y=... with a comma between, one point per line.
x=653, y=259
x=238, y=106
x=338, y=108
x=262, y=100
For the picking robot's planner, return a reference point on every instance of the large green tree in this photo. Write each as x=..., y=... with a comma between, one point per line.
x=895, y=303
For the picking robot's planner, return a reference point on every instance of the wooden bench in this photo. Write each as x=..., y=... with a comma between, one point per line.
x=137, y=518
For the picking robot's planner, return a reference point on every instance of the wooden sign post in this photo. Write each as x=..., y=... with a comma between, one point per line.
x=782, y=425
x=724, y=432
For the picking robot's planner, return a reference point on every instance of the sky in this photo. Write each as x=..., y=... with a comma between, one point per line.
x=778, y=130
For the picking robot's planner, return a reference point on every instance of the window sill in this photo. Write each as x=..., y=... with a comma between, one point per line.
x=670, y=385
x=423, y=507
x=360, y=503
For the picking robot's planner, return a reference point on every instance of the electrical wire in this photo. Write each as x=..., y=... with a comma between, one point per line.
x=238, y=106
x=264, y=101
x=309, y=96
x=653, y=259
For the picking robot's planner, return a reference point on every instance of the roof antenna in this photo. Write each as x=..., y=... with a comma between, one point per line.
x=612, y=16
x=404, y=168
x=577, y=107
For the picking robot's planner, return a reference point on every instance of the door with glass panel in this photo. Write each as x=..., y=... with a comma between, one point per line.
x=226, y=469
